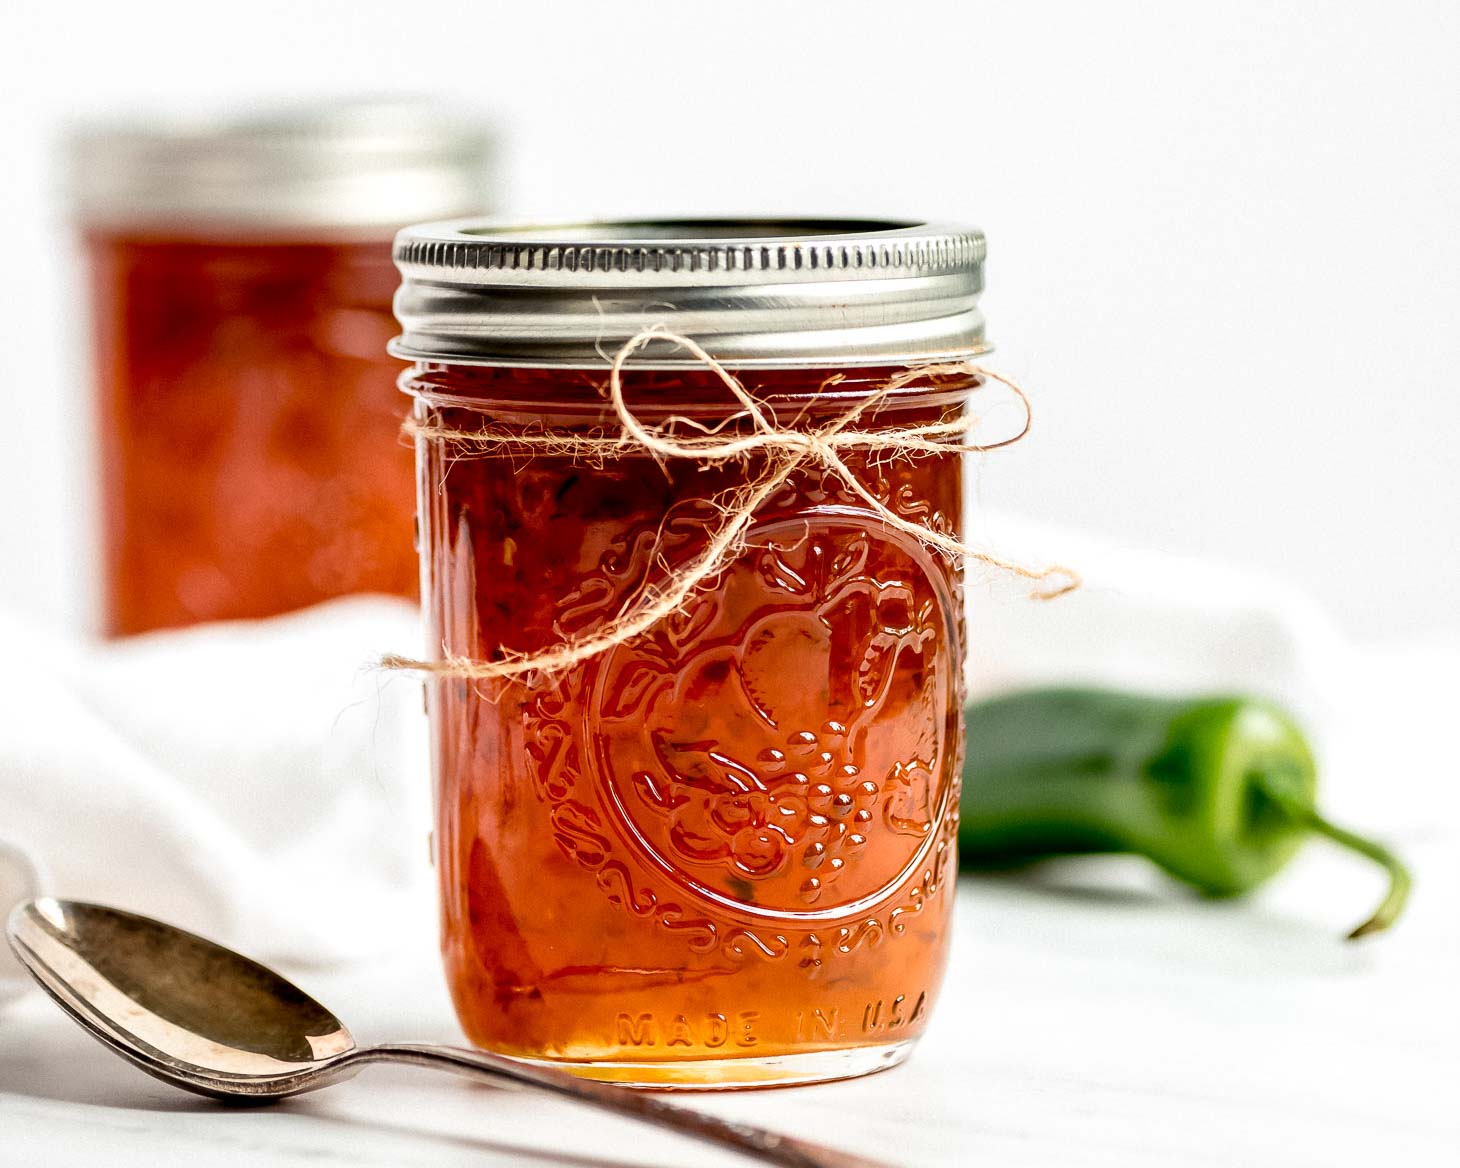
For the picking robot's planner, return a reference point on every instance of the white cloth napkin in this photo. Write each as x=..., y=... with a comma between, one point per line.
x=261, y=783
x=258, y=782
x=19, y=880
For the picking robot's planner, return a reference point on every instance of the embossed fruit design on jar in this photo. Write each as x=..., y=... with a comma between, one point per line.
x=719, y=851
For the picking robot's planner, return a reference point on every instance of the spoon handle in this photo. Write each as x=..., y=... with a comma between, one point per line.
x=756, y=1142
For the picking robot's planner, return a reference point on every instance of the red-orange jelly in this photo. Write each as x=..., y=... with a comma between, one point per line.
x=729, y=841
x=249, y=423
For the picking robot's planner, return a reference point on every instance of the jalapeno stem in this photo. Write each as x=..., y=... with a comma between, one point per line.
x=1304, y=813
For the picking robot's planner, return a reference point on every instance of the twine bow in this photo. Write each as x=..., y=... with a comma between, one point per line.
x=784, y=451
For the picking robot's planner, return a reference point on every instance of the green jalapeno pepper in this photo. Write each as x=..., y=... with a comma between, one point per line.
x=1219, y=792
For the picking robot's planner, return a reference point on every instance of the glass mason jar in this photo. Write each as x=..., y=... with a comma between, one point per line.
x=720, y=852
x=241, y=285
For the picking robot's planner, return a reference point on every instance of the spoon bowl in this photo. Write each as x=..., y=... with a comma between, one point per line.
x=180, y=1007
x=210, y=1020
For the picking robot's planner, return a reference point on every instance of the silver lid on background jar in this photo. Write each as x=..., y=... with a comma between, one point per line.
x=332, y=166
x=755, y=293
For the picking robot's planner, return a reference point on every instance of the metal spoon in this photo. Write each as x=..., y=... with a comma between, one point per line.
x=209, y=1020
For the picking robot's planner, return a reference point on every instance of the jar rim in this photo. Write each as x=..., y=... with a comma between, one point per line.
x=755, y=292
x=354, y=164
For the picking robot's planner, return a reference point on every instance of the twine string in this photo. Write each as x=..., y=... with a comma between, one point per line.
x=784, y=451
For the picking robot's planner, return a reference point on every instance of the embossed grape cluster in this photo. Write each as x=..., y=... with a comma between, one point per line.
x=816, y=810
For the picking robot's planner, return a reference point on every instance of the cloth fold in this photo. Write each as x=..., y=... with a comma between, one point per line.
x=260, y=782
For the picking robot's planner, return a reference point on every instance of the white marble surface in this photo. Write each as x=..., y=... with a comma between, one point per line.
x=1118, y=1023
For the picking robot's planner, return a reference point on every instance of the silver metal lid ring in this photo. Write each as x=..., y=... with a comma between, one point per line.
x=756, y=293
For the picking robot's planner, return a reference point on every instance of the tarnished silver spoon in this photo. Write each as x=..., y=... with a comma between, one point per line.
x=209, y=1020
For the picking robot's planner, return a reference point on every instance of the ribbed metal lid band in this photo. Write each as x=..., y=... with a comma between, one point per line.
x=369, y=165
x=756, y=293
x=927, y=257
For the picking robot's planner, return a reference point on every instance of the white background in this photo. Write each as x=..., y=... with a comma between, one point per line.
x=1223, y=236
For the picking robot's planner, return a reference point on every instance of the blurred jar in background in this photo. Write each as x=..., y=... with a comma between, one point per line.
x=241, y=287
